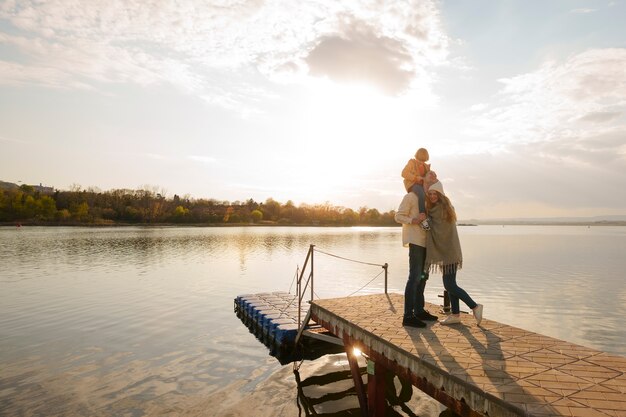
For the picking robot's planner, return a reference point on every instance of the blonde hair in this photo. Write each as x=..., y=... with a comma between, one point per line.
x=422, y=155
x=448, y=210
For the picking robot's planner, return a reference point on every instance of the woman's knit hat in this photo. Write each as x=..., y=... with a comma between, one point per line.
x=437, y=186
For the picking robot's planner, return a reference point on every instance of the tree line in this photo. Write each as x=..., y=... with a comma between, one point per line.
x=26, y=205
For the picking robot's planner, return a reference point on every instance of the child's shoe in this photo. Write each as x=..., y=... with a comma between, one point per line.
x=425, y=224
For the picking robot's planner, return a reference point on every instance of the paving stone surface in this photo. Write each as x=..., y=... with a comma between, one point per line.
x=533, y=374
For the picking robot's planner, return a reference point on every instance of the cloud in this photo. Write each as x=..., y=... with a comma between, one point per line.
x=390, y=50
x=171, y=158
x=534, y=179
x=191, y=43
x=7, y=139
x=201, y=158
x=582, y=11
x=363, y=56
x=600, y=116
x=582, y=97
x=478, y=107
x=556, y=135
x=79, y=64
x=156, y=156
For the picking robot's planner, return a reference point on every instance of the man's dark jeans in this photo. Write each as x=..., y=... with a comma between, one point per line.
x=414, y=291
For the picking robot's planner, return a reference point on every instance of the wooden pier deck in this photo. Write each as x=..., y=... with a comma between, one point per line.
x=493, y=369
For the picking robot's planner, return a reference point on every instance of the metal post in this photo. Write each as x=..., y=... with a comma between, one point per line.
x=298, y=279
x=299, y=282
x=312, y=250
x=385, y=266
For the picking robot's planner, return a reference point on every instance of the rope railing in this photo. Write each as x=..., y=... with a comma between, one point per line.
x=368, y=283
x=301, y=289
x=384, y=266
x=348, y=259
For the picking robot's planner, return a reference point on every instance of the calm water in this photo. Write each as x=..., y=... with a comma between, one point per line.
x=139, y=321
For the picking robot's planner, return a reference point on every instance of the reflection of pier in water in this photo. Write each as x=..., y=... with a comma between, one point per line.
x=342, y=396
x=332, y=394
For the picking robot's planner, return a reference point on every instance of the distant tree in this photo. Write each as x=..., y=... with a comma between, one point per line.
x=132, y=214
x=288, y=212
x=298, y=215
x=109, y=214
x=27, y=188
x=180, y=213
x=271, y=209
x=15, y=207
x=229, y=211
x=46, y=208
x=29, y=208
x=251, y=204
x=234, y=218
x=4, y=205
x=80, y=212
x=388, y=218
x=150, y=205
x=363, y=215
x=349, y=217
x=256, y=215
x=63, y=215
x=372, y=216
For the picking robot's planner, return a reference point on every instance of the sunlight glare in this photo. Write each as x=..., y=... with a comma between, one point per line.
x=349, y=121
x=350, y=132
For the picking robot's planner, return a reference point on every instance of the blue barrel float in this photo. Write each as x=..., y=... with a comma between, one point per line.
x=273, y=318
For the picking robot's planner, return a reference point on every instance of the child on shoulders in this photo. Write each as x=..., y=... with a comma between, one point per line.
x=417, y=177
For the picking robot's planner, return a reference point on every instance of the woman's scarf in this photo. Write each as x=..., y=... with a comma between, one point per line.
x=443, y=248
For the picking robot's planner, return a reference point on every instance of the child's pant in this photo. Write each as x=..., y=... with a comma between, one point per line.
x=418, y=189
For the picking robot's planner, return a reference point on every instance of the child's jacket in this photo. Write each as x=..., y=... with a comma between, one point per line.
x=412, y=172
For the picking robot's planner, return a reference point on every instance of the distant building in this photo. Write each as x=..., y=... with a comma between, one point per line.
x=42, y=189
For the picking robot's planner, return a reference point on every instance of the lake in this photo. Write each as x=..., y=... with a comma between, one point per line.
x=139, y=320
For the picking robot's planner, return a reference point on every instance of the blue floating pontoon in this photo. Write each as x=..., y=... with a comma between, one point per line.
x=273, y=319
x=271, y=315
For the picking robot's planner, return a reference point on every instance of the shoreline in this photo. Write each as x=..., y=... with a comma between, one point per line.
x=461, y=224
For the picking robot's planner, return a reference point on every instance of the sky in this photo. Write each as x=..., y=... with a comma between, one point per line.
x=521, y=104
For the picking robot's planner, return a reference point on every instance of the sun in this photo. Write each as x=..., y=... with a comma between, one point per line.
x=352, y=119
x=351, y=137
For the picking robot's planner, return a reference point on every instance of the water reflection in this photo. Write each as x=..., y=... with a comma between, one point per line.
x=330, y=390
x=326, y=388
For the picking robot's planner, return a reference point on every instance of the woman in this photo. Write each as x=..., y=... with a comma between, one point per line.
x=443, y=252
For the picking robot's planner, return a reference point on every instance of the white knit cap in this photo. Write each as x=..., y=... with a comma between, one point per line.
x=438, y=186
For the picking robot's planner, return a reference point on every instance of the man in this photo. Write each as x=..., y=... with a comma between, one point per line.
x=414, y=237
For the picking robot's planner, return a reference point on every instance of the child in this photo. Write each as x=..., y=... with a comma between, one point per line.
x=417, y=176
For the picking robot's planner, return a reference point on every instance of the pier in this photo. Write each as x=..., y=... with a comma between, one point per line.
x=491, y=370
